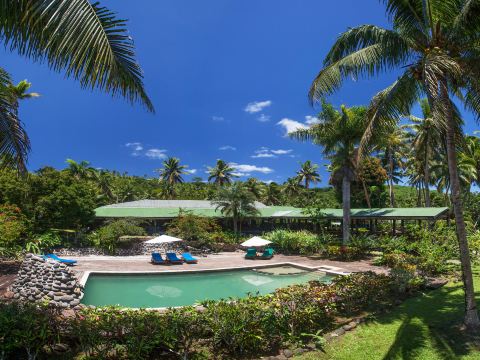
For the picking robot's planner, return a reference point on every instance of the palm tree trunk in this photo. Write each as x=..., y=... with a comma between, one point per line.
x=306, y=183
x=471, y=319
x=346, y=208
x=427, y=175
x=391, y=193
x=365, y=192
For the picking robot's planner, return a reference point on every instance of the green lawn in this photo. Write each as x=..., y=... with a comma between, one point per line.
x=424, y=327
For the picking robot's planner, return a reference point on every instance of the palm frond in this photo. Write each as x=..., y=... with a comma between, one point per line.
x=14, y=141
x=389, y=105
x=84, y=39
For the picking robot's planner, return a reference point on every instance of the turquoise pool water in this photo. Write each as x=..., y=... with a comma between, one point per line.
x=165, y=290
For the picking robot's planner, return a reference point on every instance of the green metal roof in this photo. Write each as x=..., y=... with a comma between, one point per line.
x=143, y=210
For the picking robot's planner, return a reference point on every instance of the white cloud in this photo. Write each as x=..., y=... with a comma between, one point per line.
x=227, y=147
x=246, y=170
x=135, y=147
x=218, y=118
x=263, y=118
x=265, y=152
x=291, y=125
x=310, y=120
x=263, y=155
x=191, y=171
x=257, y=106
x=281, y=151
x=156, y=154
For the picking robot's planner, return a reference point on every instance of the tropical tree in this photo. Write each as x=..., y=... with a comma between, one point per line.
x=256, y=187
x=81, y=170
x=393, y=150
x=435, y=45
x=338, y=133
x=171, y=174
x=272, y=194
x=308, y=173
x=222, y=173
x=425, y=137
x=291, y=188
x=236, y=202
x=83, y=39
x=20, y=92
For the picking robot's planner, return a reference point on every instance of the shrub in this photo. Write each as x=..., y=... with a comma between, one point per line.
x=190, y=227
x=107, y=236
x=13, y=228
x=296, y=242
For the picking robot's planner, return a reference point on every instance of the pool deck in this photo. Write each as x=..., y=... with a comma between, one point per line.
x=226, y=260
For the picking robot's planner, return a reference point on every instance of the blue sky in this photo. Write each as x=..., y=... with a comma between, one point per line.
x=226, y=78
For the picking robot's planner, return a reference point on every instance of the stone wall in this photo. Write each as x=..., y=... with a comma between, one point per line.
x=47, y=280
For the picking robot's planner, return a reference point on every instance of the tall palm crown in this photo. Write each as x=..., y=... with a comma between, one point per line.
x=308, y=173
x=436, y=45
x=172, y=171
x=222, y=173
x=83, y=39
x=80, y=170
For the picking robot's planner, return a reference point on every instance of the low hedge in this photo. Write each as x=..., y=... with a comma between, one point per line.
x=229, y=329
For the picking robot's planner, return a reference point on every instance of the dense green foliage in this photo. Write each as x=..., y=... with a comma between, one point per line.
x=229, y=329
x=107, y=237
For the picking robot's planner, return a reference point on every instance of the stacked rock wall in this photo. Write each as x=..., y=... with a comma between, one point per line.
x=47, y=280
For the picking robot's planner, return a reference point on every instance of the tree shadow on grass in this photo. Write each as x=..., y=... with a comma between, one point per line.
x=431, y=319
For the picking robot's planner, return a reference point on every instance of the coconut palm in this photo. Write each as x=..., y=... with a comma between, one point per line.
x=222, y=173
x=256, y=187
x=272, y=194
x=236, y=202
x=435, y=46
x=83, y=39
x=338, y=133
x=308, y=173
x=80, y=170
x=172, y=171
x=20, y=92
x=425, y=137
x=393, y=152
x=291, y=187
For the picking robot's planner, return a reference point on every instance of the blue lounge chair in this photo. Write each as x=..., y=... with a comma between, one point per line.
x=157, y=259
x=251, y=253
x=189, y=259
x=63, y=261
x=267, y=254
x=173, y=259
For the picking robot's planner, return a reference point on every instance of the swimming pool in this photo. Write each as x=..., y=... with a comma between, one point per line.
x=181, y=289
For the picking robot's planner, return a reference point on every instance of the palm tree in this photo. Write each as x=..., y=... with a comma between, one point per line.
x=272, y=194
x=435, y=45
x=103, y=180
x=236, y=202
x=172, y=171
x=222, y=173
x=20, y=92
x=291, y=187
x=84, y=39
x=394, y=150
x=308, y=173
x=425, y=137
x=81, y=170
x=256, y=187
x=338, y=133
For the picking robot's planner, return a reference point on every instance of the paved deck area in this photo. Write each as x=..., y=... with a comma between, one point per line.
x=211, y=262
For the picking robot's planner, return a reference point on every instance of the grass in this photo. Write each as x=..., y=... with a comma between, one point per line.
x=425, y=327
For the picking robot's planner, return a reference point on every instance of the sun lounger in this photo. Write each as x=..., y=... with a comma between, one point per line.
x=157, y=259
x=189, y=259
x=63, y=261
x=267, y=254
x=251, y=253
x=173, y=259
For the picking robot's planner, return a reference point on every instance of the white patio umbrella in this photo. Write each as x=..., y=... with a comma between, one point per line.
x=163, y=239
x=255, y=242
